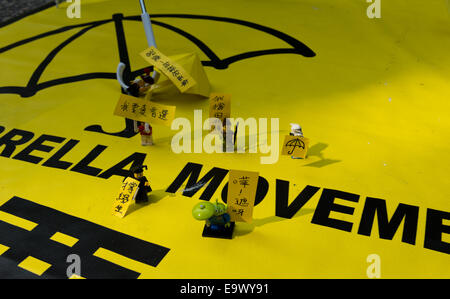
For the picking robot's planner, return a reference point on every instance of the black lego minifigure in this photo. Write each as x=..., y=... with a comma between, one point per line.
x=229, y=145
x=137, y=172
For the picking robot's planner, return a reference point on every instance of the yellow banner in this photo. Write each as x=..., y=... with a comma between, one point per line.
x=126, y=194
x=220, y=105
x=175, y=72
x=144, y=110
x=241, y=195
x=295, y=146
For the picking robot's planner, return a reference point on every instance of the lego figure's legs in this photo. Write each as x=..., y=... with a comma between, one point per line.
x=147, y=139
x=142, y=198
x=229, y=144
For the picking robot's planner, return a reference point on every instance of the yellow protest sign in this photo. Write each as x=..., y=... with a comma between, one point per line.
x=144, y=110
x=241, y=195
x=175, y=72
x=295, y=146
x=220, y=105
x=126, y=194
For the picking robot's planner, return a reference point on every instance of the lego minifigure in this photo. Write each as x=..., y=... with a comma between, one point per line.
x=296, y=130
x=146, y=131
x=226, y=130
x=137, y=172
x=146, y=77
x=138, y=87
x=217, y=220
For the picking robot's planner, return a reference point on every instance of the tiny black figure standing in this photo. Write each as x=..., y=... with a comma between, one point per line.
x=137, y=172
x=230, y=143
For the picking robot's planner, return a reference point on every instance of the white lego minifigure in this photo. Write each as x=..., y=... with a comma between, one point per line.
x=296, y=130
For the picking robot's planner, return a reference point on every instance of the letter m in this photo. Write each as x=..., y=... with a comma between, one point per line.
x=388, y=228
x=192, y=171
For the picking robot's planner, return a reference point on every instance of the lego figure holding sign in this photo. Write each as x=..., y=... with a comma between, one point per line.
x=229, y=143
x=138, y=88
x=137, y=172
x=146, y=131
x=217, y=219
x=296, y=130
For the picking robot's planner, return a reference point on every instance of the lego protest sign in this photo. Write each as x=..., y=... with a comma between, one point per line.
x=295, y=146
x=241, y=195
x=144, y=110
x=126, y=194
x=175, y=72
x=219, y=106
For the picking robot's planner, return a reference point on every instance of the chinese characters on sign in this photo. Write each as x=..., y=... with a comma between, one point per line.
x=241, y=195
x=182, y=80
x=220, y=106
x=126, y=194
x=144, y=110
x=295, y=146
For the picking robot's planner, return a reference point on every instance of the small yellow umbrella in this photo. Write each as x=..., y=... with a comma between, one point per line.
x=192, y=65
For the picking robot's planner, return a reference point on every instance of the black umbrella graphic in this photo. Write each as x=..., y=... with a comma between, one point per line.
x=294, y=143
x=33, y=86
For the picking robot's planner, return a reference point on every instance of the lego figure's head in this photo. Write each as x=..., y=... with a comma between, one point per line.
x=139, y=86
x=220, y=209
x=205, y=210
x=146, y=77
x=138, y=171
x=296, y=130
x=133, y=89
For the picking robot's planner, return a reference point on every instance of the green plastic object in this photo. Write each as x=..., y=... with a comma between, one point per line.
x=205, y=210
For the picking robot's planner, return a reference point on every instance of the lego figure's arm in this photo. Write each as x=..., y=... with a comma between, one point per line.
x=136, y=129
x=147, y=185
x=226, y=219
x=147, y=128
